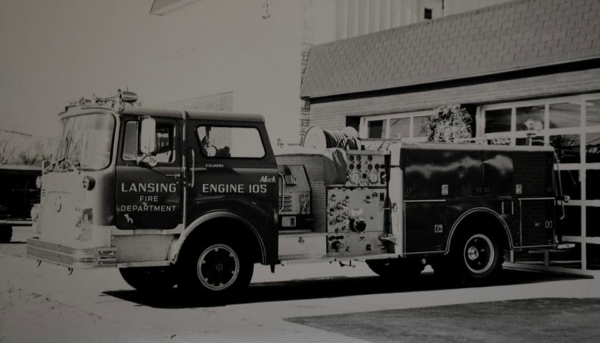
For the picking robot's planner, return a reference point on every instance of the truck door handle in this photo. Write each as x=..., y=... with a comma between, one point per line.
x=177, y=176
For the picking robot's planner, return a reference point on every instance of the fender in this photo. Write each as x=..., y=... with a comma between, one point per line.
x=216, y=214
x=478, y=210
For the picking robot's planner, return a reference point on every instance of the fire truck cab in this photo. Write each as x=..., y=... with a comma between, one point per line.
x=196, y=199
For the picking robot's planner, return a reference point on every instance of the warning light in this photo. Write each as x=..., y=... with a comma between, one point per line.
x=129, y=97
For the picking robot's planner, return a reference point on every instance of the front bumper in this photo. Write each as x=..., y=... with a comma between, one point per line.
x=70, y=257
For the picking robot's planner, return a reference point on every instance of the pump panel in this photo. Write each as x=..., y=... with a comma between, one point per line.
x=366, y=169
x=355, y=220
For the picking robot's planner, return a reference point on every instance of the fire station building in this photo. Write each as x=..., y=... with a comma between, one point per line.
x=524, y=61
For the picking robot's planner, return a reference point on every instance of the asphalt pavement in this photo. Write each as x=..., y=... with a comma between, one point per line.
x=299, y=303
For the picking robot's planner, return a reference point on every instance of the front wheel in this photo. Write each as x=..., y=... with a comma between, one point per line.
x=218, y=270
x=149, y=279
x=479, y=258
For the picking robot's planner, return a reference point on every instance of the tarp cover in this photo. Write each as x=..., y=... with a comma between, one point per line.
x=335, y=163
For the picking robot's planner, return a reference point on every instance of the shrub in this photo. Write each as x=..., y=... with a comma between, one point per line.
x=449, y=124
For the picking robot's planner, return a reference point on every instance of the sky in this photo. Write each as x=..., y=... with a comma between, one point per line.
x=53, y=52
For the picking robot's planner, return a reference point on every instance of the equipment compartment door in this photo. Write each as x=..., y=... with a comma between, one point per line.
x=425, y=227
x=149, y=192
x=537, y=222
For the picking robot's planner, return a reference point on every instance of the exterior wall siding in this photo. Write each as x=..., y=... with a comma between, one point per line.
x=332, y=115
x=503, y=38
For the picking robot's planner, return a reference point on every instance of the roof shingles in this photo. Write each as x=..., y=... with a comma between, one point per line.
x=510, y=36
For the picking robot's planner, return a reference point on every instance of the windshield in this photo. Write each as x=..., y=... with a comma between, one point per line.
x=86, y=141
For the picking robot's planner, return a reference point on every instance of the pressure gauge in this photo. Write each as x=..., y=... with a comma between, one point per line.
x=355, y=178
x=373, y=178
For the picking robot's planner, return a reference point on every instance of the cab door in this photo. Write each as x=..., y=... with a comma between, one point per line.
x=234, y=171
x=149, y=189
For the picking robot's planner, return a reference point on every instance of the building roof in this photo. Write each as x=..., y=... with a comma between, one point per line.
x=507, y=37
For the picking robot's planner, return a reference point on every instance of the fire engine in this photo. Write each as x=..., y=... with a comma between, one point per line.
x=19, y=195
x=197, y=198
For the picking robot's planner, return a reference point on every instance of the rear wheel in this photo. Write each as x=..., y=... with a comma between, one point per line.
x=479, y=257
x=396, y=268
x=216, y=270
x=6, y=232
x=149, y=279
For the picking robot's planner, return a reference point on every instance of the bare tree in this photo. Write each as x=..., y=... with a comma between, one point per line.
x=6, y=150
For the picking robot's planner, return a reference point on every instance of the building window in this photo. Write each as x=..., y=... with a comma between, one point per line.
x=530, y=118
x=565, y=115
x=428, y=13
x=405, y=126
x=399, y=128
x=592, y=108
x=376, y=129
x=498, y=120
x=567, y=148
x=592, y=147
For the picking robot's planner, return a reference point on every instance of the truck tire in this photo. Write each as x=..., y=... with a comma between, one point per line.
x=478, y=257
x=149, y=279
x=216, y=270
x=396, y=268
x=6, y=232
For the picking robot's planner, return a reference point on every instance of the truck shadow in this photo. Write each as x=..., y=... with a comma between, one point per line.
x=326, y=288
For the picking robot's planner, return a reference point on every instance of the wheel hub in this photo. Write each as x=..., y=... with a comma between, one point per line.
x=473, y=253
x=218, y=267
x=479, y=254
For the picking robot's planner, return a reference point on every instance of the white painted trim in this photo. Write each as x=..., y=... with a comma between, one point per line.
x=544, y=198
x=590, y=203
x=144, y=264
x=114, y=231
x=396, y=195
x=583, y=240
x=360, y=258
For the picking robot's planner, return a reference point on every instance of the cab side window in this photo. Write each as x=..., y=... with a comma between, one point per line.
x=130, y=141
x=230, y=142
x=166, y=136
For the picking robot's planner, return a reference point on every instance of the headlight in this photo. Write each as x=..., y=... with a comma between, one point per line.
x=35, y=212
x=88, y=182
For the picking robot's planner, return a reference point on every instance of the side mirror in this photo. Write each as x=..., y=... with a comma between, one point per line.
x=148, y=136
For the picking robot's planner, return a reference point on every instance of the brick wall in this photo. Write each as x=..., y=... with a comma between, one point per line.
x=332, y=115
